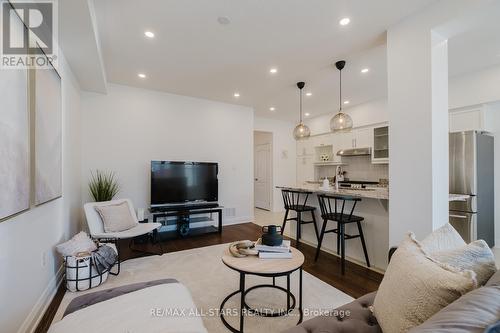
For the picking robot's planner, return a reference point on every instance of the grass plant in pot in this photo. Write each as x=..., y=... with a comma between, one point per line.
x=103, y=186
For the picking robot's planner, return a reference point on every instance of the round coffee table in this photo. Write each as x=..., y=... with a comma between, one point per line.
x=274, y=268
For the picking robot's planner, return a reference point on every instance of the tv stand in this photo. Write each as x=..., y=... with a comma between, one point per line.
x=183, y=214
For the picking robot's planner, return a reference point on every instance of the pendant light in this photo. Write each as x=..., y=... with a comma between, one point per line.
x=341, y=122
x=301, y=131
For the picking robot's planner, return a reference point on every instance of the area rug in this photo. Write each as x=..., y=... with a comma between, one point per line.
x=210, y=281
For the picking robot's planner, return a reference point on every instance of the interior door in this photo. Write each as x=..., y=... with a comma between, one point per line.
x=262, y=176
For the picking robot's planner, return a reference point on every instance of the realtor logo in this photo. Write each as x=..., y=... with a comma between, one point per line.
x=28, y=31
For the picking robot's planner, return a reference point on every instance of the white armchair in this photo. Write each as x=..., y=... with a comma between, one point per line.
x=96, y=226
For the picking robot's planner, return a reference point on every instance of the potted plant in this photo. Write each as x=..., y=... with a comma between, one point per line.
x=103, y=186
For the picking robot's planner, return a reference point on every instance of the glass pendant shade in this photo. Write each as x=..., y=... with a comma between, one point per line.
x=341, y=122
x=301, y=131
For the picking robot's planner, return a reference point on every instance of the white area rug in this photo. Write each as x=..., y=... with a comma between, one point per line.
x=210, y=281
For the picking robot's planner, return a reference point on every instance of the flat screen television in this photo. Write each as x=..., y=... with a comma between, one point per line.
x=183, y=183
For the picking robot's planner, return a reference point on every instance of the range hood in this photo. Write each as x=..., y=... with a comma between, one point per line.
x=355, y=152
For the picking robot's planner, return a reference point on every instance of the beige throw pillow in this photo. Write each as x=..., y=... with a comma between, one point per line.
x=476, y=256
x=443, y=239
x=116, y=217
x=415, y=287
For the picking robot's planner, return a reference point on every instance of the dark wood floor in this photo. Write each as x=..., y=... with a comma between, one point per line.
x=356, y=282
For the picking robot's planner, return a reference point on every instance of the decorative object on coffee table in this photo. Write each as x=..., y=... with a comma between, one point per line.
x=271, y=236
x=252, y=265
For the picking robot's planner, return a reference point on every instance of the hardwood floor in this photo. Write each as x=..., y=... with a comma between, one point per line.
x=356, y=282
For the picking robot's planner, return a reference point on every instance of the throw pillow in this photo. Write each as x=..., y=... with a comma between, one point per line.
x=415, y=287
x=443, y=239
x=116, y=217
x=476, y=256
x=81, y=242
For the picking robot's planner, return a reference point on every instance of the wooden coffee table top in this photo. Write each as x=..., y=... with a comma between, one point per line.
x=252, y=264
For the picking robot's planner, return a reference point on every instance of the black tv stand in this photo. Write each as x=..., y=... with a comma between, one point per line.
x=186, y=207
x=183, y=213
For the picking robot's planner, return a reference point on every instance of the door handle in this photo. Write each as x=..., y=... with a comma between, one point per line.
x=256, y=179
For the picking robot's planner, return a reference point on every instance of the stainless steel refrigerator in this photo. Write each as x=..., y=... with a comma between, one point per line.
x=472, y=173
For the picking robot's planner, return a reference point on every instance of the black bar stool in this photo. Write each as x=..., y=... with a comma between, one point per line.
x=329, y=213
x=296, y=200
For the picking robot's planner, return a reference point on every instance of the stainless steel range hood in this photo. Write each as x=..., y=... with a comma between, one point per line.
x=355, y=152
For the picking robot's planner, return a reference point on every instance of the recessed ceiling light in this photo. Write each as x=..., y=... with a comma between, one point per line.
x=149, y=34
x=307, y=114
x=346, y=102
x=365, y=70
x=141, y=75
x=273, y=70
x=272, y=108
x=224, y=20
x=345, y=21
x=236, y=94
x=309, y=94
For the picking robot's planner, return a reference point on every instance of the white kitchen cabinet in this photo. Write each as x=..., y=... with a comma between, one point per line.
x=305, y=147
x=380, y=153
x=363, y=138
x=305, y=169
x=467, y=119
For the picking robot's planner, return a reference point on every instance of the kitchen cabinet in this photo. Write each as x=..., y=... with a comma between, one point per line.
x=380, y=153
x=305, y=169
x=305, y=147
x=467, y=119
x=358, y=138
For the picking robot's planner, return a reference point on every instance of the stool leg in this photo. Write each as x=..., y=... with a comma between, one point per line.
x=315, y=226
x=284, y=221
x=342, y=247
x=363, y=244
x=320, y=241
x=338, y=238
x=298, y=225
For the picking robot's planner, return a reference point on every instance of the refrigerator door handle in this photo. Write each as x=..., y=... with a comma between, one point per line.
x=463, y=217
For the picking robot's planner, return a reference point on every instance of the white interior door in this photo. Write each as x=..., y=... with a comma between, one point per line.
x=262, y=176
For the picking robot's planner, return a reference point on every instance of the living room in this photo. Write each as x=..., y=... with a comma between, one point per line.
x=207, y=132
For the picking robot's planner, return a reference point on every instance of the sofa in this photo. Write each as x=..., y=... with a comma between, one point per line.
x=474, y=312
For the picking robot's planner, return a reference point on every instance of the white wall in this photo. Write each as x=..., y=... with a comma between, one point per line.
x=475, y=88
x=284, y=155
x=365, y=114
x=26, y=285
x=127, y=128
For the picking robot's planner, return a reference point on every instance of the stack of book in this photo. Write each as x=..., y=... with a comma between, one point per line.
x=273, y=252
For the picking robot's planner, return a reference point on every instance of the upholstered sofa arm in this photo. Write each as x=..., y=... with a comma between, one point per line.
x=352, y=317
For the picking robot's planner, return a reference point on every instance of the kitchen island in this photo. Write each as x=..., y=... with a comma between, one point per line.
x=373, y=207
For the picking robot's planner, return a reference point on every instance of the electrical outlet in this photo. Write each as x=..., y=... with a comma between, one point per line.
x=44, y=259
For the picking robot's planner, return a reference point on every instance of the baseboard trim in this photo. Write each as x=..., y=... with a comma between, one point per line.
x=43, y=302
x=238, y=220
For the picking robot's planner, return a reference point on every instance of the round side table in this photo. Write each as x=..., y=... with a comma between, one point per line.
x=274, y=268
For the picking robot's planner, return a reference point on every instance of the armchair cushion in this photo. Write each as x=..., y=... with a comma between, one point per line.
x=116, y=217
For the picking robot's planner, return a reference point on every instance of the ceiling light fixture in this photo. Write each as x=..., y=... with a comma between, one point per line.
x=273, y=70
x=272, y=108
x=345, y=21
x=149, y=34
x=236, y=94
x=307, y=114
x=301, y=131
x=346, y=102
x=365, y=70
x=309, y=94
x=141, y=75
x=341, y=122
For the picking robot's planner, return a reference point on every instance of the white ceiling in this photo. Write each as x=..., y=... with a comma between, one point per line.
x=192, y=54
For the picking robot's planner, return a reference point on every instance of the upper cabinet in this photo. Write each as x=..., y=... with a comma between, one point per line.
x=305, y=147
x=380, y=152
x=468, y=119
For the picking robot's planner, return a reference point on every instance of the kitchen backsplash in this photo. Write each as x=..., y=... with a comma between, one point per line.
x=358, y=168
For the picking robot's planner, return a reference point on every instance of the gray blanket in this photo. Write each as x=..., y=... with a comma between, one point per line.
x=104, y=258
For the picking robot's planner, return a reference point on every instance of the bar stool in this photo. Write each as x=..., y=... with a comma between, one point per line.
x=329, y=213
x=296, y=200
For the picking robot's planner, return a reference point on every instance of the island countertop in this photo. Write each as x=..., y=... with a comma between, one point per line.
x=381, y=193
